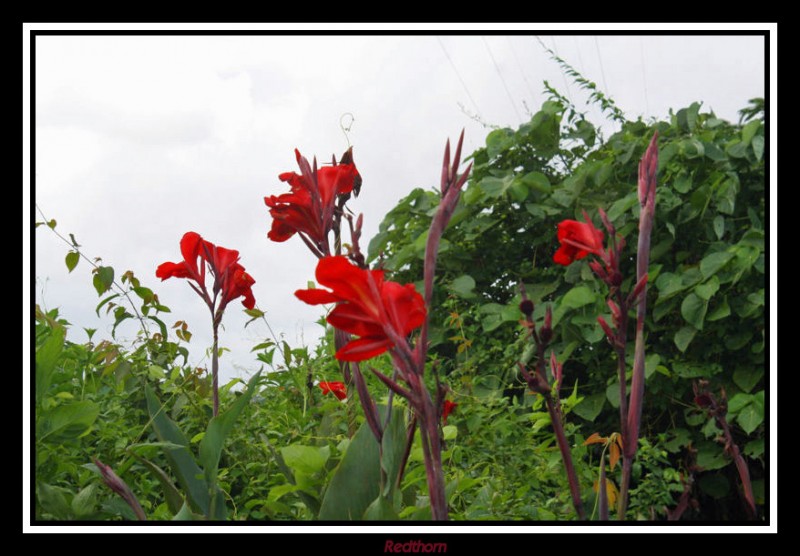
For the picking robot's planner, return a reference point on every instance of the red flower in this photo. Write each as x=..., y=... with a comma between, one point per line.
x=448, y=408
x=338, y=389
x=230, y=277
x=367, y=306
x=578, y=239
x=309, y=207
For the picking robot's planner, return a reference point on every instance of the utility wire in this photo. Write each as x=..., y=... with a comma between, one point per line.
x=644, y=76
x=464, y=85
x=519, y=65
x=502, y=79
x=600, y=59
x=563, y=75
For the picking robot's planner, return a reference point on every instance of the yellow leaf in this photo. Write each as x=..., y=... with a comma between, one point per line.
x=613, y=455
x=595, y=438
x=611, y=491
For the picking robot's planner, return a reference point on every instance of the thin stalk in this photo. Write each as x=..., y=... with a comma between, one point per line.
x=215, y=371
x=566, y=455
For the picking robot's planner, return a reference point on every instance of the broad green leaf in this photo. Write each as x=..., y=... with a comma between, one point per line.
x=307, y=459
x=537, y=181
x=578, y=297
x=758, y=147
x=46, y=358
x=668, y=284
x=381, y=510
x=714, y=262
x=181, y=461
x=683, y=183
x=715, y=485
x=720, y=312
x=684, y=337
x=463, y=286
x=356, y=480
x=103, y=279
x=84, y=502
x=72, y=259
x=186, y=514
x=68, y=421
x=53, y=501
x=496, y=187
x=172, y=495
x=750, y=417
x=146, y=294
x=708, y=289
x=211, y=446
x=621, y=206
x=739, y=401
x=393, y=446
x=747, y=377
x=719, y=226
x=749, y=131
x=693, y=310
x=710, y=456
x=592, y=405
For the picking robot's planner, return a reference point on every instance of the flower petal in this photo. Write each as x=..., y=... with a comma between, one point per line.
x=316, y=297
x=362, y=349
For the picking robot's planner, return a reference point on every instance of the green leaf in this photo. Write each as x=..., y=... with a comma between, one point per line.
x=381, y=510
x=707, y=290
x=720, y=312
x=84, y=502
x=712, y=263
x=693, y=310
x=52, y=224
x=181, y=461
x=710, y=456
x=257, y=313
x=715, y=485
x=591, y=406
x=211, y=446
x=537, y=181
x=612, y=394
x=758, y=147
x=463, y=286
x=46, y=358
x=683, y=183
x=53, y=501
x=684, y=337
x=750, y=417
x=738, y=402
x=621, y=206
x=356, y=480
x=578, y=297
x=306, y=459
x=186, y=514
x=72, y=260
x=496, y=187
x=146, y=294
x=68, y=421
x=719, y=226
x=172, y=495
x=749, y=131
x=103, y=279
x=747, y=377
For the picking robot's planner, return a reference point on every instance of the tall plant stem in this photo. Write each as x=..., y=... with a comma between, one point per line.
x=566, y=455
x=215, y=371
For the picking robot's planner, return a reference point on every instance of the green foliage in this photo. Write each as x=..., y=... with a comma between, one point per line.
x=706, y=291
x=281, y=450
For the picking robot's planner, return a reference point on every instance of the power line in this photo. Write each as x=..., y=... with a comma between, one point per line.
x=464, y=85
x=600, y=59
x=519, y=65
x=502, y=79
x=644, y=76
x=563, y=75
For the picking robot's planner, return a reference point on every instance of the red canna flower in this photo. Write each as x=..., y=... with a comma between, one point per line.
x=448, y=408
x=338, y=389
x=367, y=306
x=577, y=239
x=230, y=277
x=308, y=208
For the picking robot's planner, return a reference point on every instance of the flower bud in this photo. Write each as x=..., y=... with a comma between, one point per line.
x=526, y=307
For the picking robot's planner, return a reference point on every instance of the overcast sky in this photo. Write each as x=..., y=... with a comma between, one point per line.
x=142, y=138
